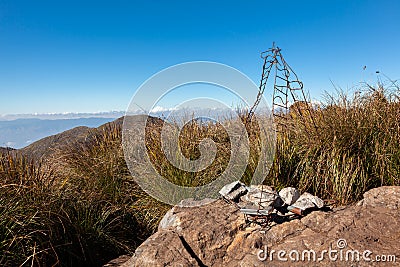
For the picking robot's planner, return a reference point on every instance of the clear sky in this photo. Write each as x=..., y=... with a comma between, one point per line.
x=90, y=56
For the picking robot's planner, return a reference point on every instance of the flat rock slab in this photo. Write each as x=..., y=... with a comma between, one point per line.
x=216, y=235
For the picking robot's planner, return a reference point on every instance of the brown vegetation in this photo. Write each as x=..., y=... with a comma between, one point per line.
x=80, y=205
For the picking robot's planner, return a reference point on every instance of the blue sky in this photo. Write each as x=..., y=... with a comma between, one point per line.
x=84, y=56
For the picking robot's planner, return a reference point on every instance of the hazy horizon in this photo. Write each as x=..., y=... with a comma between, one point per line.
x=83, y=57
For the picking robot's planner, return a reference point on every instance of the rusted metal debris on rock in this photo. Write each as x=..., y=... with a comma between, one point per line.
x=260, y=203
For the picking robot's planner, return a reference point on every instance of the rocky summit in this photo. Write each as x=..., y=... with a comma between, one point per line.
x=216, y=234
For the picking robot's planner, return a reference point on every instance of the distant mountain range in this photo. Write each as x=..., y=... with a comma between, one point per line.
x=65, y=115
x=20, y=130
x=47, y=147
x=20, y=133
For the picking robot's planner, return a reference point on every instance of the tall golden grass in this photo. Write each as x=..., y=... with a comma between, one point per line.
x=85, y=208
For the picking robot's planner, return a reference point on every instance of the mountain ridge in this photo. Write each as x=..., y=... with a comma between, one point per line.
x=22, y=132
x=46, y=147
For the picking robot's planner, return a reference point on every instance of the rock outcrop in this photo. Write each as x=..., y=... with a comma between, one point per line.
x=217, y=235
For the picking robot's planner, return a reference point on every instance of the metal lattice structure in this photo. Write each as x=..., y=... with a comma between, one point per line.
x=287, y=88
x=288, y=101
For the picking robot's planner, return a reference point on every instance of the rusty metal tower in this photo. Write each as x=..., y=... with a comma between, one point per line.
x=288, y=90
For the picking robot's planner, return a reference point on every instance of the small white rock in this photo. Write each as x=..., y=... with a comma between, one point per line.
x=306, y=201
x=303, y=204
x=314, y=199
x=233, y=190
x=289, y=195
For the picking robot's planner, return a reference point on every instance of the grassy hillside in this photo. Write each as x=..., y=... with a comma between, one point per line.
x=83, y=208
x=20, y=132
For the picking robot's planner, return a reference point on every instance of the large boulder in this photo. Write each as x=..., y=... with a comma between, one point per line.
x=217, y=235
x=382, y=197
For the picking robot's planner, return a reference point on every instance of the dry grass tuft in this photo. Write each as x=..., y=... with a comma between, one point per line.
x=85, y=208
